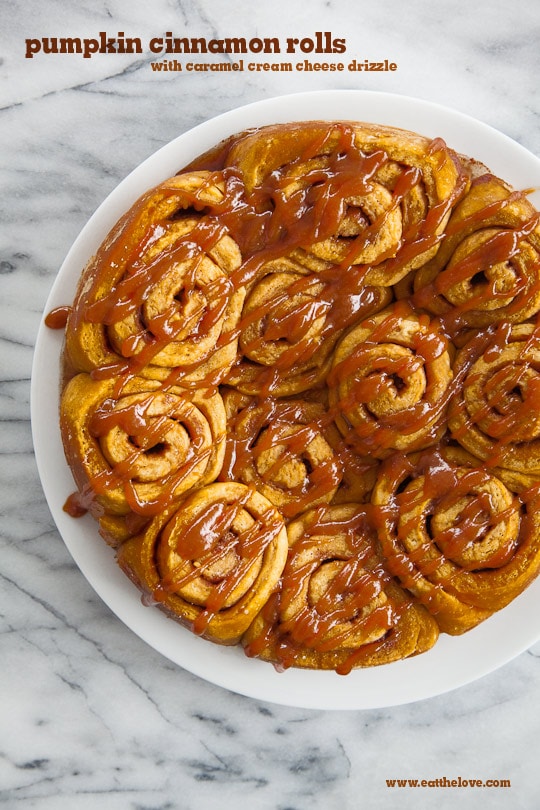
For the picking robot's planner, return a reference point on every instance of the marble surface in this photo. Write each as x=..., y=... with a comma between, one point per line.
x=91, y=716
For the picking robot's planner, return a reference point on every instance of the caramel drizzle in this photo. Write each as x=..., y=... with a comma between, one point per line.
x=269, y=427
x=263, y=231
x=443, y=485
x=208, y=537
x=344, y=610
x=500, y=248
x=146, y=434
x=509, y=410
x=269, y=223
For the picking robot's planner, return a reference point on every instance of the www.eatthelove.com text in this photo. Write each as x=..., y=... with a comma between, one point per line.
x=445, y=782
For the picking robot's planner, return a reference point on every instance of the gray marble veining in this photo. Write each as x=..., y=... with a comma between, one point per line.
x=90, y=716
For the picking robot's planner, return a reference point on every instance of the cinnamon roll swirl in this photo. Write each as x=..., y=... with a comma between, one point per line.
x=214, y=562
x=487, y=268
x=455, y=536
x=495, y=414
x=389, y=382
x=290, y=323
x=158, y=294
x=301, y=394
x=283, y=448
x=396, y=190
x=337, y=607
x=138, y=449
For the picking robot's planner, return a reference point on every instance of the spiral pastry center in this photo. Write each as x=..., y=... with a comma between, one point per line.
x=216, y=560
x=181, y=317
x=498, y=411
x=369, y=229
x=475, y=526
x=490, y=284
x=291, y=464
x=389, y=383
x=284, y=319
x=301, y=393
x=165, y=431
x=386, y=384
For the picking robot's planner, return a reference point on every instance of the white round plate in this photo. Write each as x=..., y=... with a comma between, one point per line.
x=453, y=662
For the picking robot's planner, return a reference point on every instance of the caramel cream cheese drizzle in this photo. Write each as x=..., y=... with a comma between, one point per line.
x=295, y=207
x=267, y=223
x=206, y=539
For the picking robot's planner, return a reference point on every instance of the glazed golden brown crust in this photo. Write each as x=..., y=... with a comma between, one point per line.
x=142, y=447
x=487, y=268
x=337, y=607
x=494, y=414
x=389, y=382
x=455, y=536
x=177, y=316
x=302, y=393
x=214, y=562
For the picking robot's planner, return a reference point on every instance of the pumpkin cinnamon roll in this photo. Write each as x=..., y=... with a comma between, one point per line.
x=455, y=536
x=301, y=393
x=138, y=449
x=337, y=608
x=158, y=295
x=368, y=195
x=389, y=382
x=283, y=448
x=495, y=413
x=284, y=342
x=214, y=562
x=487, y=268
x=290, y=323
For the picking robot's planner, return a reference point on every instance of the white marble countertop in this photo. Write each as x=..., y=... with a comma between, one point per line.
x=90, y=715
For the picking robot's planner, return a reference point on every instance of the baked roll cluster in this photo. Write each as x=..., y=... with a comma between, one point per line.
x=302, y=394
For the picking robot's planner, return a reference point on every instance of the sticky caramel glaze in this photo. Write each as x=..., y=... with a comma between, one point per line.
x=213, y=562
x=510, y=225
x=370, y=376
x=265, y=224
x=269, y=222
x=500, y=423
x=145, y=434
x=281, y=448
x=140, y=451
x=455, y=536
x=445, y=486
x=501, y=248
x=197, y=542
x=126, y=298
x=337, y=607
x=295, y=206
